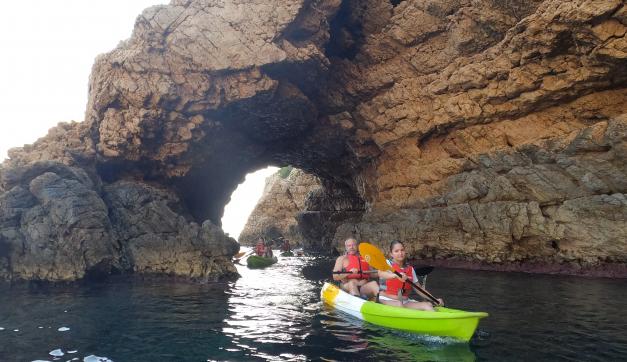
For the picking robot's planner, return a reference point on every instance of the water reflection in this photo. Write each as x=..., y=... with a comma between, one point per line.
x=271, y=310
x=276, y=314
x=384, y=344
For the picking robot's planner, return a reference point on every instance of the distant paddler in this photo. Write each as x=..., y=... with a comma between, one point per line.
x=285, y=245
x=263, y=249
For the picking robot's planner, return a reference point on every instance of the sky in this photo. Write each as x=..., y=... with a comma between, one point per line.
x=48, y=49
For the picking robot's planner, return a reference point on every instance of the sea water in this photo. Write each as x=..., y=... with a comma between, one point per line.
x=275, y=314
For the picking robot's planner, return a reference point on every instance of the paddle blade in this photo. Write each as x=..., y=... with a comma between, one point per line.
x=373, y=256
x=243, y=254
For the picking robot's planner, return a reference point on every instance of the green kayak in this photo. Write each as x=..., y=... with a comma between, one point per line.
x=444, y=322
x=257, y=262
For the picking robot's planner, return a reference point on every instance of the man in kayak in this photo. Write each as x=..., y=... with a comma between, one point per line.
x=285, y=246
x=395, y=291
x=357, y=279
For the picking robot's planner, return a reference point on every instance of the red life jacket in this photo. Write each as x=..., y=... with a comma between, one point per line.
x=260, y=249
x=394, y=284
x=357, y=262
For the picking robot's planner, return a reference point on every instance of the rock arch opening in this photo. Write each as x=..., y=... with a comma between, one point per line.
x=244, y=199
x=456, y=128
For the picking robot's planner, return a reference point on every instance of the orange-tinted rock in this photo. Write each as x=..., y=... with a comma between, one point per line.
x=481, y=131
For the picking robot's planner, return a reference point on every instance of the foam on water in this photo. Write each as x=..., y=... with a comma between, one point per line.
x=1, y=329
x=92, y=358
x=63, y=329
x=56, y=353
x=427, y=339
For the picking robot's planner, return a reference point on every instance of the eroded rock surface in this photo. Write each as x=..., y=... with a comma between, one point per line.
x=482, y=131
x=53, y=224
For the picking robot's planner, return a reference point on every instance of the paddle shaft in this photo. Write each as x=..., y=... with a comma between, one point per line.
x=375, y=258
x=362, y=272
x=419, y=288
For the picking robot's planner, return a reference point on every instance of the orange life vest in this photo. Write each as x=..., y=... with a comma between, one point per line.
x=394, y=284
x=357, y=262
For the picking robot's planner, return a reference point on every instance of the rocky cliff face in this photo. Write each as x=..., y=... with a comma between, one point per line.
x=277, y=210
x=60, y=223
x=479, y=131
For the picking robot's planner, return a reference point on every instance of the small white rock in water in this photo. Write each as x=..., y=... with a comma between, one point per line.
x=16, y=330
x=1, y=329
x=40, y=327
x=56, y=353
x=63, y=329
x=72, y=352
x=92, y=358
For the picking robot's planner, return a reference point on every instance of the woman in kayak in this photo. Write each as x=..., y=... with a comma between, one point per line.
x=263, y=249
x=395, y=291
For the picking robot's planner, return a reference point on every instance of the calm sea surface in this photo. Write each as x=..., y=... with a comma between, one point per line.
x=276, y=314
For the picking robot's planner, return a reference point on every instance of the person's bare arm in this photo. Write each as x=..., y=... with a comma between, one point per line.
x=339, y=264
x=385, y=274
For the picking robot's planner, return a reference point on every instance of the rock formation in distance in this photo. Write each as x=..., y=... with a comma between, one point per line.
x=275, y=215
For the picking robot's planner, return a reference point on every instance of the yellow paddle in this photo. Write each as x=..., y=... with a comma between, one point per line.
x=242, y=254
x=373, y=256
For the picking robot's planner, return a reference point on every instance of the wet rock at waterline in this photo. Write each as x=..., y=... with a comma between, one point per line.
x=476, y=130
x=60, y=224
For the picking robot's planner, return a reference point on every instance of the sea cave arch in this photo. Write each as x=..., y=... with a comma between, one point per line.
x=458, y=127
x=197, y=113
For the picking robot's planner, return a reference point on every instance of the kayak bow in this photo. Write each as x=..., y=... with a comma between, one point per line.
x=444, y=322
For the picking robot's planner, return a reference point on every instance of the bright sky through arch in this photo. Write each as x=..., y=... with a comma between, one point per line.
x=243, y=201
x=48, y=49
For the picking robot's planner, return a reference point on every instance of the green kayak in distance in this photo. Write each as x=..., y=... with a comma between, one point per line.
x=257, y=262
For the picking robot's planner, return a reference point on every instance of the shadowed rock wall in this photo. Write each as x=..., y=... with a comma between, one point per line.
x=479, y=131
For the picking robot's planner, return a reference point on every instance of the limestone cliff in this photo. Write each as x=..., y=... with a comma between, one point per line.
x=478, y=131
x=276, y=212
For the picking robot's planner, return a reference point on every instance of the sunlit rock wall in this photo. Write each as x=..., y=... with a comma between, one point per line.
x=478, y=131
x=276, y=212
